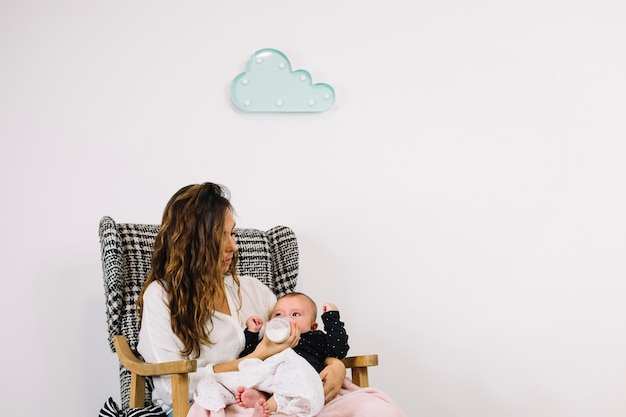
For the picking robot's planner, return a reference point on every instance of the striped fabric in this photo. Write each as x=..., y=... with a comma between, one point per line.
x=126, y=250
x=111, y=409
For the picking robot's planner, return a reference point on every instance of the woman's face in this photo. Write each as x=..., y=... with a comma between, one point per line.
x=230, y=246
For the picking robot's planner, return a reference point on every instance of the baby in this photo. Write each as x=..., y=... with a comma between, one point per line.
x=289, y=381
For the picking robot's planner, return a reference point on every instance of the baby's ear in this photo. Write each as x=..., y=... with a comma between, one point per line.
x=314, y=325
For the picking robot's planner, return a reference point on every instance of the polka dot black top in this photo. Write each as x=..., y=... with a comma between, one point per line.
x=316, y=345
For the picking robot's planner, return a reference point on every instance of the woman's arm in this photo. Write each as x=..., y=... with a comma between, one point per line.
x=264, y=350
x=332, y=376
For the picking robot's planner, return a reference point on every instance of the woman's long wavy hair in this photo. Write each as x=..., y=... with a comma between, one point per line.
x=187, y=261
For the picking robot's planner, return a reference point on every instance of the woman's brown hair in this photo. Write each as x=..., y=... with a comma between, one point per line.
x=187, y=260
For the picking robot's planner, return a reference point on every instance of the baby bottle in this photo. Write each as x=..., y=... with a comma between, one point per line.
x=278, y=329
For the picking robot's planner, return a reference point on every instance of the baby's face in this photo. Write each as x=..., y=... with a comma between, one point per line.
x=298, y=309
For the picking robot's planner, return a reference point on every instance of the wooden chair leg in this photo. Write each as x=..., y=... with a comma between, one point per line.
x=358, y=367
x=360, y=377
x=137, y=391
x=180, y=394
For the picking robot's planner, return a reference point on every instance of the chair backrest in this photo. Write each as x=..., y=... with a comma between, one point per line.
x=126, y=250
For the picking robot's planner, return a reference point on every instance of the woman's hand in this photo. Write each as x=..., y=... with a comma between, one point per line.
x=332, y=377
x=263, y=350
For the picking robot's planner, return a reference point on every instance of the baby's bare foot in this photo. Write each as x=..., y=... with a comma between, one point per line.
x=262, y=408
x=248, y=397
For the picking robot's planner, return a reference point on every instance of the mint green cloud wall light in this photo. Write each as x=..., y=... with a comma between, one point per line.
x=270, y=85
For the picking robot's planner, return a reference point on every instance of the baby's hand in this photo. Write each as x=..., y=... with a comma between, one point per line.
x=254, y=324
x=329, y=307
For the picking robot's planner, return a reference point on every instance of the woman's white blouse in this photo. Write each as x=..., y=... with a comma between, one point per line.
x=158, y=343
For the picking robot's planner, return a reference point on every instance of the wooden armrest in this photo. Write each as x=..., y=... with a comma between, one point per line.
x=358, y=367
x=179, y=370
x=139, y=370
x=135, y=365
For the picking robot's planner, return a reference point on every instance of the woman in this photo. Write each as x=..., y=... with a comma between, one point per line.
x=194, y=306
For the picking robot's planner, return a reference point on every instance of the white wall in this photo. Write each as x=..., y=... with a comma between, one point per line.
x=463, y=201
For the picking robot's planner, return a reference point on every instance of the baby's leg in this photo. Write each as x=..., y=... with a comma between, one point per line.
x=248, y=397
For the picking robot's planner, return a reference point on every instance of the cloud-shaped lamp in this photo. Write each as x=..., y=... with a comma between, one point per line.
x=269, y=85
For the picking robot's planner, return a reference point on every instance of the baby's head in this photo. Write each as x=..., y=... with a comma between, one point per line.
x=298, y=307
